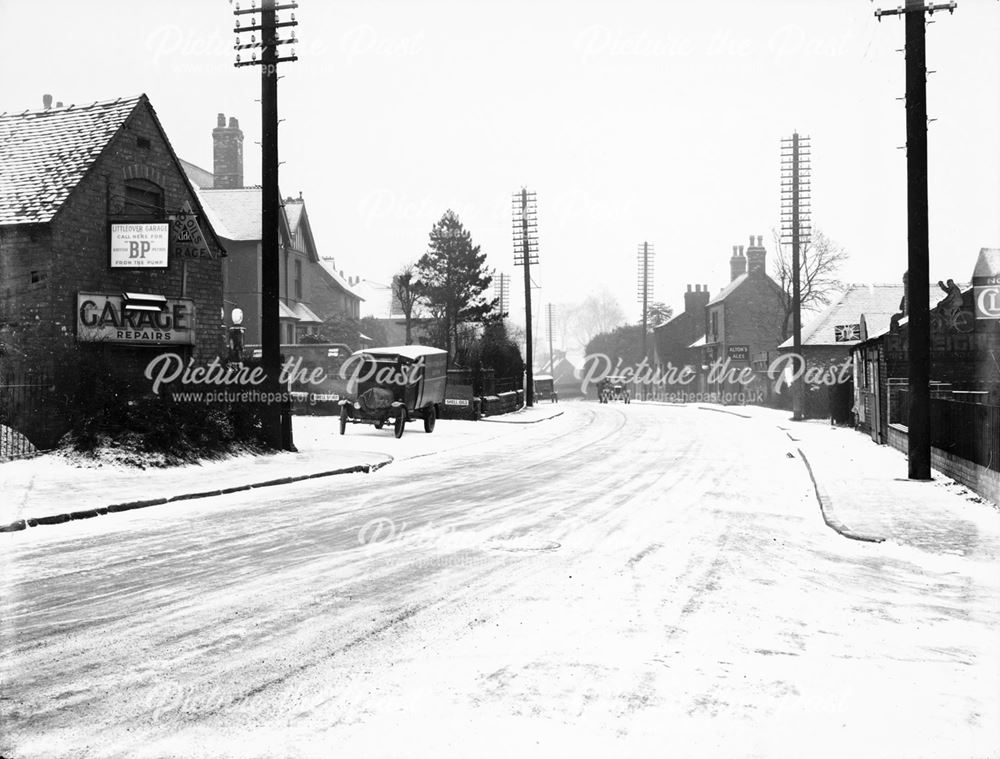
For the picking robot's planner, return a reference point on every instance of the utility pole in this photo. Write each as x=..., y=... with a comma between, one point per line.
x=796, y=229
x=277, y=418
x=503, y=292
x=644, y=293
x=551, y=355
x=918, y=253
x=525, y=254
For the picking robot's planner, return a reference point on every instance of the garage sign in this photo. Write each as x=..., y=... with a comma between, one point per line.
x=107, y=318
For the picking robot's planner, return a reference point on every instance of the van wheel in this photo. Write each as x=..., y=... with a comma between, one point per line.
x=397, y=429
x=430, y=417
x=343, y=419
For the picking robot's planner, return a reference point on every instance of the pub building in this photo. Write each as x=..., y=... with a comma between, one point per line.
x=106, y=256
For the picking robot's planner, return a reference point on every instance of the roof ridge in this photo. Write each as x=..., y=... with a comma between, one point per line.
x=72, y=106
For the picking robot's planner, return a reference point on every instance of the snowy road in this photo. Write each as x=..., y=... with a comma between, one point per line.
x=619, y=581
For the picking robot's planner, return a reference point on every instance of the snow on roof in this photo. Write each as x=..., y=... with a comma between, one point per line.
x=701, y=341
x=406, y=351
x=44, y=155
x=302, y=311
x=878, y=303
x=284, y=312
x=234, y=214
x=328, y=267
x=729, y=289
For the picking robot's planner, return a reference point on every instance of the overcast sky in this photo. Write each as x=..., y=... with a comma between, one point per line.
x=632, y=121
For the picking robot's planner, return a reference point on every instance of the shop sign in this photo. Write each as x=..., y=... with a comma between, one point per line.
x=140, y=245
x=987, y=299
x=105, y=318
x=189, y=242
x=738, y=354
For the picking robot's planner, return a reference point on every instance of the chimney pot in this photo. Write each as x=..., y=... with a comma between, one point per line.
x=760, y=241
x=689, y=288
x=59, y=104
x=751, y=240
x=234, y=123
x=736, y=250
x=46, y=102
x=221, y=120
x=741, y=250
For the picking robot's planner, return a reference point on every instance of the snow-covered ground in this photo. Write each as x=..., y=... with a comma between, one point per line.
x=618, y=581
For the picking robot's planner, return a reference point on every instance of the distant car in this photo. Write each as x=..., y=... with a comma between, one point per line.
x=618, y=391
x=394, y=384
x=545, y=388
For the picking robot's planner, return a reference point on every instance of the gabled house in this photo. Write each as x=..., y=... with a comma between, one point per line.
x=744, y=321
x=672, y=339
x=310, y=291
x=106, y=255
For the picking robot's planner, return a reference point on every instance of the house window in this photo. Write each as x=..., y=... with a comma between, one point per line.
x=298, y=279
x=715, y=326
x=143, y=198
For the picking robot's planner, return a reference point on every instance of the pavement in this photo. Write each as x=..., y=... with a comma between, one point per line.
x=54, y=489
x=864, y=494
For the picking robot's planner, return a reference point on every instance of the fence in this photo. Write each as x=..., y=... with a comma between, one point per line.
x=21, y=411
x=968, y=430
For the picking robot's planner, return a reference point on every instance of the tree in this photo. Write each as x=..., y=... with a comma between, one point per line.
x=819, y=262
x=452, y=279
x=621, y=343
x=376, y=330
x=406, y=293
x=658, y=313
x=598, y=313
x=338, y=328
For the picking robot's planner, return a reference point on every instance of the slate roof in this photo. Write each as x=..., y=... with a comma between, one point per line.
x=328, y=269
x=729, y=289
x=234, y=214
x=45, y=154
x=878, y=303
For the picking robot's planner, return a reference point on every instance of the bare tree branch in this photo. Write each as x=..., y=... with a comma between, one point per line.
x=820, y=260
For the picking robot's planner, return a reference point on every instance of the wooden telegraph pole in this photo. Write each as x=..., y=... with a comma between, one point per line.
x=796, y=229
x=918, y=253
x=525, y=254
x=644, y=292
x=277, y=413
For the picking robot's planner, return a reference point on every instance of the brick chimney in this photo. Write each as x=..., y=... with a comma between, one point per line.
x=695, y=300
x=756, y=255
x=227, y=144
x=737, y=264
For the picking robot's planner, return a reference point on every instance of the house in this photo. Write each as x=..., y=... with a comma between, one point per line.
x=743, y=327
x=309, y=289
x=672, y=339
x=828, y=337
x=107, y=257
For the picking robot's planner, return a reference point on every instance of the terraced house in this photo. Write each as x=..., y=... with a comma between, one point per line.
x=106, y=256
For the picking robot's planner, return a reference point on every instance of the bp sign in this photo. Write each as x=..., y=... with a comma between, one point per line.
x=140, y=245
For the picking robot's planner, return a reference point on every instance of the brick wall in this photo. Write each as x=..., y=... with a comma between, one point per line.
x=984, y=481
x=71, y=255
